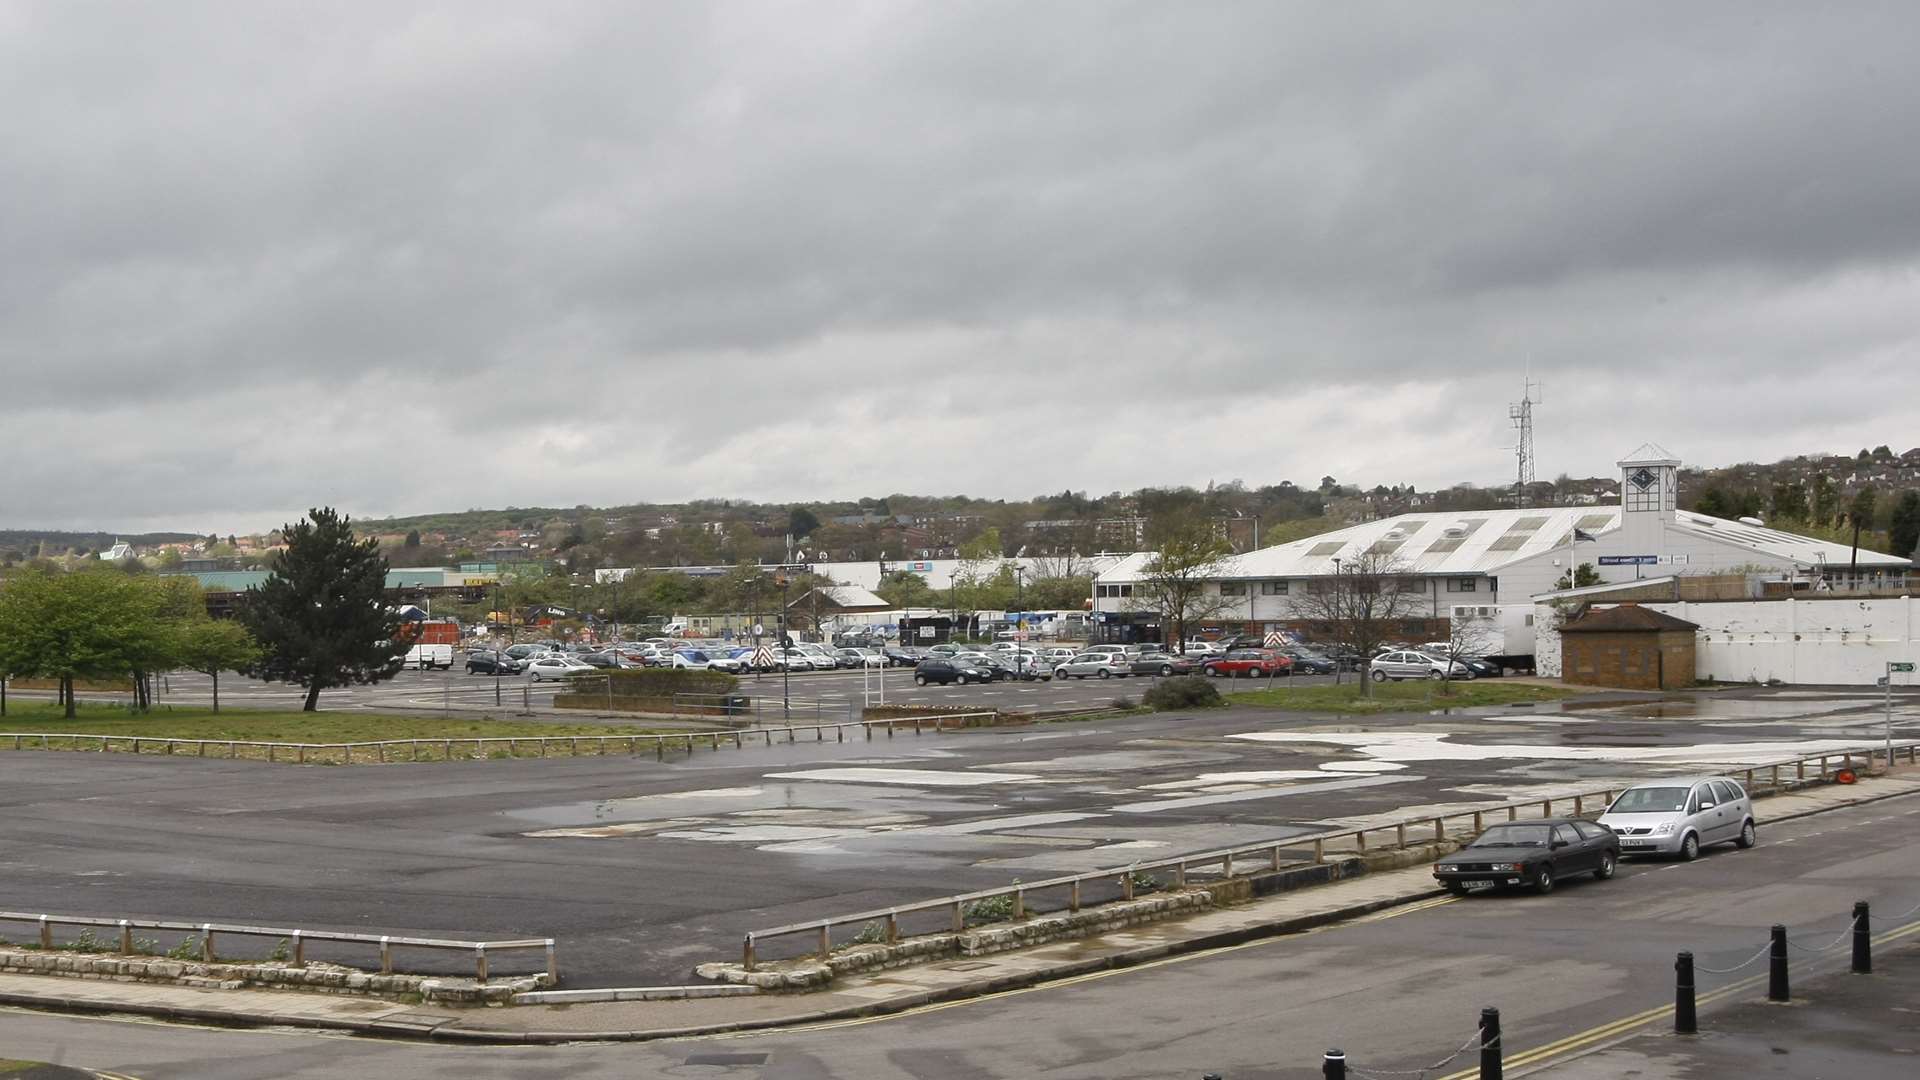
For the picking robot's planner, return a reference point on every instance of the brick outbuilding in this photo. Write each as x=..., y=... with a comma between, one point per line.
x=1629, y=647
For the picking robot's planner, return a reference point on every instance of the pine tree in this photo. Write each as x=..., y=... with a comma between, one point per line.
x=321, y=618
x=1904, y=527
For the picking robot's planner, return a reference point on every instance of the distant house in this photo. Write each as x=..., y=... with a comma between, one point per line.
x=121, y=551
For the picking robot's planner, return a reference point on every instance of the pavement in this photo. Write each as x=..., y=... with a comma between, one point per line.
x=643, y=869
x=1838, y=1025
x=900, y=990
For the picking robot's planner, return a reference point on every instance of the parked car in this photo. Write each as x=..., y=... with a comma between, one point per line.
x=1056, y=654
x=490, y=662
x=941, y=670
x=998, y=669
x=1250, y=663
x=854, y=658
x=1306, y=662
x=607, y=659
x=1530, y=854
x=1164, y=663
x=902, y=655
x=1407, y=664
x=1105, y=665
x=694, y=659
x=1482, y=669
x=1679, y=817
x=557, y=667
x=1203, y=648
x=1031, y=668
x=731, y=661
x=1345, y=657
x=526, y=650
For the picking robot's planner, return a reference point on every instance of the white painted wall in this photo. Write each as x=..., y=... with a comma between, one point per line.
x=1815, y=642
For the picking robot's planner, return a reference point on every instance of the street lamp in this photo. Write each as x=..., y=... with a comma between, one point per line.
x=786, y=660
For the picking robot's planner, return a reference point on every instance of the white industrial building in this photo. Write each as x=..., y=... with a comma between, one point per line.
x=1486, y=558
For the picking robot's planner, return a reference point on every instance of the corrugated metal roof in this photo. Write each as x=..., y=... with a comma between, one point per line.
x=1483, y=541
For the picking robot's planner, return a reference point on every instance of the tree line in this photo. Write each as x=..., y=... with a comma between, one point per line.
x=320, y=620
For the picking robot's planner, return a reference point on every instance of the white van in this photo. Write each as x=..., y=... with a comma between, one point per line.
x=430, y=656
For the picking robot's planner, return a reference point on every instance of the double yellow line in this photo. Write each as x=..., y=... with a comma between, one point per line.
x=1624, y=1025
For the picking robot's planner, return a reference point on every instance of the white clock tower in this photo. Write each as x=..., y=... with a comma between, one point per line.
x=1649, y=489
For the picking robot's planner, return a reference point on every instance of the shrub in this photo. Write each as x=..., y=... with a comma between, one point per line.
x=1185, y=692
x=1123, y=703
x=666, y=682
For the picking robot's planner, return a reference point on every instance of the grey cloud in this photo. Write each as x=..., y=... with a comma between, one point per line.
x=1021, y=247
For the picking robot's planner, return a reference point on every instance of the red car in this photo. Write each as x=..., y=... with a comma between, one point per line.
x=1252, y=663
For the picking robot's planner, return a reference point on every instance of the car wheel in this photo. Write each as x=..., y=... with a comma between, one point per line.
x=1105, y=674
x=1690, y=848
x=1748, y=837
x=1543, y=879
x=1166, y=669
x=1379, y=676
x=1470, y=676
x=919, y=680
x=1608, y=864
x=962, y=680
x=1435, y=675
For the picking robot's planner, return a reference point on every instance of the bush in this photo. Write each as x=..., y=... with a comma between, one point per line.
x=1185, y=692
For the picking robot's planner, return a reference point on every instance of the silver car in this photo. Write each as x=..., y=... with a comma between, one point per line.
x=1408, y=664
x=1103, y=665
x=1681, y=816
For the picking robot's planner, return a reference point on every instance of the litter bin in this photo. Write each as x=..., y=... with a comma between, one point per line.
x=736, y=705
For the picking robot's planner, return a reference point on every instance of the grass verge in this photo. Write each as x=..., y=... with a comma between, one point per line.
x=1403, y=696
x=234, y=726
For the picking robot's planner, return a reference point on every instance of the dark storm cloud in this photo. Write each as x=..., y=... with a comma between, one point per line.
x=250, y=247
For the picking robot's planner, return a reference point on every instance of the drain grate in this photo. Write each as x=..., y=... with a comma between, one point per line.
x=727, y=1059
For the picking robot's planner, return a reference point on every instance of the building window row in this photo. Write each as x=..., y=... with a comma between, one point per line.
x=1233, y=588
x=1112, y=591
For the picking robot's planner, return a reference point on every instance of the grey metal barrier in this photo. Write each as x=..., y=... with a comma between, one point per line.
x=296, y=939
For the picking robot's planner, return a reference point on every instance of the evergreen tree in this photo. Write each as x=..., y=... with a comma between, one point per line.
x=321, y=618
x=1904, y=525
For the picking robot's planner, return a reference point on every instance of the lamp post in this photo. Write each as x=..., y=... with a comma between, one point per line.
x=786, y=660
x=1336, y=611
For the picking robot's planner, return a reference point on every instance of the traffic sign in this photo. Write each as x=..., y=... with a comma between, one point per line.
x=763, y=657
x=758, y=629
x=1905, y=669
x=1274, y=640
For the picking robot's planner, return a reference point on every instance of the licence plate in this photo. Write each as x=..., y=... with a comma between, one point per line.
x=1478, y=884
x=1636, y=843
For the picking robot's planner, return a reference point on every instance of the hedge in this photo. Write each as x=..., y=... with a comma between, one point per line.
x=666, y=682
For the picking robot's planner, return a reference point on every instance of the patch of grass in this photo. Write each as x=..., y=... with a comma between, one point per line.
x=288, y=726
x=1143, y=882
x=1408, y=696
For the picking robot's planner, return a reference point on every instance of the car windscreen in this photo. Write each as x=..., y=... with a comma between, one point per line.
x=1650, y=800
x=1513, y=836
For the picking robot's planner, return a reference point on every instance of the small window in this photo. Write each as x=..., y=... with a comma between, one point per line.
x=1233, y=588
x=1273, y=588
x=1723, y=792
x=1564, y=834
x=1126, y=590
x=1588, y=830
x=1734, y=787
x=1462, y=584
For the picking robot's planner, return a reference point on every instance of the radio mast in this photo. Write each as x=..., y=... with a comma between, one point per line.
x=1521, y=413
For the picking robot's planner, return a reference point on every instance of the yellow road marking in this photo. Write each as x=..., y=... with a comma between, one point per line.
x=1581, y=1040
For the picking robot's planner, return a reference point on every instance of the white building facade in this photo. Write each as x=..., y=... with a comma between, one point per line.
x=1486, y=558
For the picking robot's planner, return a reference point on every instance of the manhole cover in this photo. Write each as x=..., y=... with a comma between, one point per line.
x=727, y=1059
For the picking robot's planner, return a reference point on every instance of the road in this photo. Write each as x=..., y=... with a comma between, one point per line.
x=1396, y=991
x=641, y=869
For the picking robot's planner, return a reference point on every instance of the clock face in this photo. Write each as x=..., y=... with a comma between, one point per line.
x=1642, y=478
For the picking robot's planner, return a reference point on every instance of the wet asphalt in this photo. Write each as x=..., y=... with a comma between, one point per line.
x=643, y=868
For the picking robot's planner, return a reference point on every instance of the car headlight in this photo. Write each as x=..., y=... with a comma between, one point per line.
x=1665, y=828
x=1446, y=868
x=1504, y=867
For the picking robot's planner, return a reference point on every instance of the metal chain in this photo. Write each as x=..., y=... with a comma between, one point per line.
x=1420, y=1073
x=1838, y=938
x=1736, y=967
x=1903, y=914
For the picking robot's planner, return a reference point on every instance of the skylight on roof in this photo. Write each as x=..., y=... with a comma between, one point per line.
x=1325, y=548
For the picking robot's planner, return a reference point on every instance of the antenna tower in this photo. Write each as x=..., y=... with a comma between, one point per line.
x=1521, y=413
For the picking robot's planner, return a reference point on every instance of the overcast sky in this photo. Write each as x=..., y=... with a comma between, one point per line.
x=402, y=258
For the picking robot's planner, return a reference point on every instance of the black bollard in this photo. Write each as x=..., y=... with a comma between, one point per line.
x=1777, y=966
x=1862, y=939
x=1490, y=1045
x=1685, y=1020
x=1334, y=1065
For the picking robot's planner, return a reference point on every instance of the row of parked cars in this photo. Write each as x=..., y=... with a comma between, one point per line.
x=1675, y=818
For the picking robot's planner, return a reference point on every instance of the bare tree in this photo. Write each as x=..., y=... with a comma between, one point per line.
x=1361, y=606
x=1187, y=553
